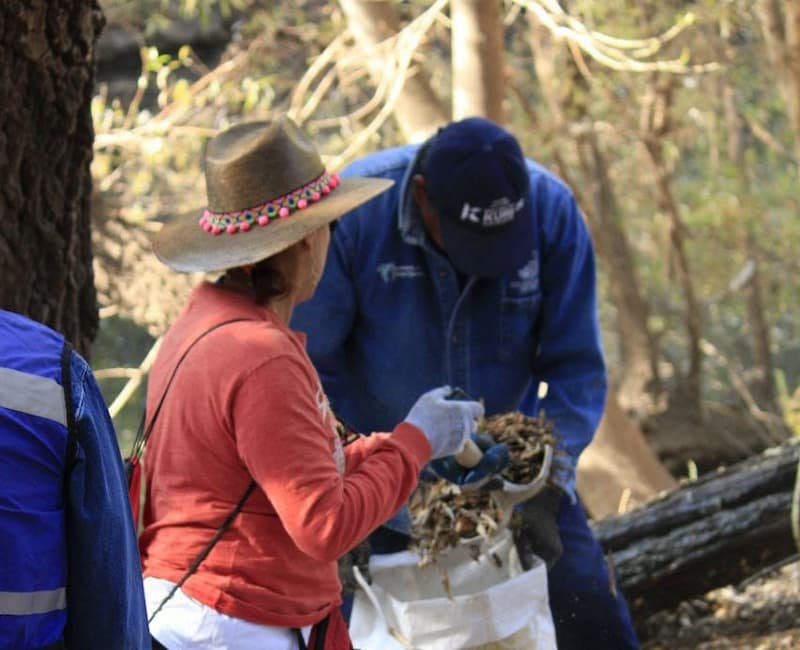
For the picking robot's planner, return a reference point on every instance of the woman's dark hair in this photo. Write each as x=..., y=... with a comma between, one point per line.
x=268, y=282
x=264, y=278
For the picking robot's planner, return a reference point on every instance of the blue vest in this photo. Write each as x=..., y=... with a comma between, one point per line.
x=34, y=448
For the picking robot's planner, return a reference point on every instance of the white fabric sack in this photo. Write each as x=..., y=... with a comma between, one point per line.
x=495, y=604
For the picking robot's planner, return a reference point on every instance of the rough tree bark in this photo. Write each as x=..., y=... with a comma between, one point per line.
x=708, y=534
x=418, y=110
x=46, y=134
x=477, y=54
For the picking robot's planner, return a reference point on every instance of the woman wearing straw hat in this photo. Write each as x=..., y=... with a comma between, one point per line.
x=251, y=495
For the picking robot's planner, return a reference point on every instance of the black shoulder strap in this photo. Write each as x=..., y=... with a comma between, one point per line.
x=66, y=385
x=138, y=448
x=207, y=548
x=143, y=433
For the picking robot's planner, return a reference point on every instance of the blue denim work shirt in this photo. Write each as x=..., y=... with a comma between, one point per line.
x=392, y=318
x=105, y=594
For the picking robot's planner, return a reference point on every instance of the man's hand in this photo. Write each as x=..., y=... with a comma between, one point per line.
x=484, y=475
x=536, y=531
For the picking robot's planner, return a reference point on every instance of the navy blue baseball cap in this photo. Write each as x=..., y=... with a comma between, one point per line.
x=476, y=177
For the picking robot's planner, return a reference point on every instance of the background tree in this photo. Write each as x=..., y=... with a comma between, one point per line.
x=477, y=54
x=46, y=131
x=780, y=23
x=623, y=102
x=417, y=110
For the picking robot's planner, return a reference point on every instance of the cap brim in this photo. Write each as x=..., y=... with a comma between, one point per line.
x=488, y=253
x=184, y=246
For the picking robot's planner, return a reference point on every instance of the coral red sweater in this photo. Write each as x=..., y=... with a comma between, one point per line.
x=246, y=403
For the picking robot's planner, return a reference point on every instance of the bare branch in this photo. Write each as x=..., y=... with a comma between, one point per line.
x=326, y=57
x=762, y=134
x=616, y=53
x=399, y=53
x=135, y=380
x=772, y=423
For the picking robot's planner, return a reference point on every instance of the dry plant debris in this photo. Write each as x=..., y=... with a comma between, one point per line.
x=444, y=516
x=526, y=438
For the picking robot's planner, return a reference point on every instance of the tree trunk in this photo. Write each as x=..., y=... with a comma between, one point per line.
x=477, y=54
x=762, y=384
x=637, y=381
x=655, y=125
x=46, y=136
x=780, y=24
x=418, y=110
x=708, y=534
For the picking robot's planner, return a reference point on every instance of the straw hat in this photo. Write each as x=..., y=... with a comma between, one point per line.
x=267, y=189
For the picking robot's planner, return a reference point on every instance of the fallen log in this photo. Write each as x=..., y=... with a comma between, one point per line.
x=710, y=533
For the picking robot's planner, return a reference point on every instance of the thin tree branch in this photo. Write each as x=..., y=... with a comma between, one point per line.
x=616, y=53
x=135, y=380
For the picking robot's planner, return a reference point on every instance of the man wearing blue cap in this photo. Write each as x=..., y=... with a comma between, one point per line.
x=476, y=270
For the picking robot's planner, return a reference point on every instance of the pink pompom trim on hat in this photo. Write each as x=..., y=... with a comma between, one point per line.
x=280, y=208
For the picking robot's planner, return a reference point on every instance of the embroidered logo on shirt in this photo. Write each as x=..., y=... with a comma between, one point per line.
x=527, y=280
x=389, y=272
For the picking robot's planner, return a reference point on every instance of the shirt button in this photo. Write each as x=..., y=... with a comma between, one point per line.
x=443, y=273
x=454, y=339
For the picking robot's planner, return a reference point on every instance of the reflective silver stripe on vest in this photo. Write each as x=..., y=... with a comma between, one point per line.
x=14, y=603
x=33, y=395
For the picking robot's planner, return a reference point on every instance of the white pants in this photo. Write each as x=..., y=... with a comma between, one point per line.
x=186, y=624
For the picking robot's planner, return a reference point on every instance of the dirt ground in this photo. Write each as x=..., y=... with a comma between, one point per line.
x=764, y=615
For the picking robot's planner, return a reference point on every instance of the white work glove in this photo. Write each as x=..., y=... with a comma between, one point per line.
x=447, y=423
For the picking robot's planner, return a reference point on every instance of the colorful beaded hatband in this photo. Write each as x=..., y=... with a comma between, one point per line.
x=280, y=208
x=258, y=173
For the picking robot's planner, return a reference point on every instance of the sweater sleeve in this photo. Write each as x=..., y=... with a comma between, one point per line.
x=360, y=450
x=286, y=438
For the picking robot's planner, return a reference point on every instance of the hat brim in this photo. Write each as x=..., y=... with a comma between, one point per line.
x=184, y=246
x=489, y=254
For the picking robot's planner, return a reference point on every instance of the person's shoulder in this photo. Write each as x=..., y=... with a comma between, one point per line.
x=270, y=351
x=544, y=179
x=386, y=163
x=13, y=321
x=82, y=377
x=29, y=345
x=257, y=341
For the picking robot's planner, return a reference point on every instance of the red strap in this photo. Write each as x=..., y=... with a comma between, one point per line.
x=134, y=488
x=333, y=633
